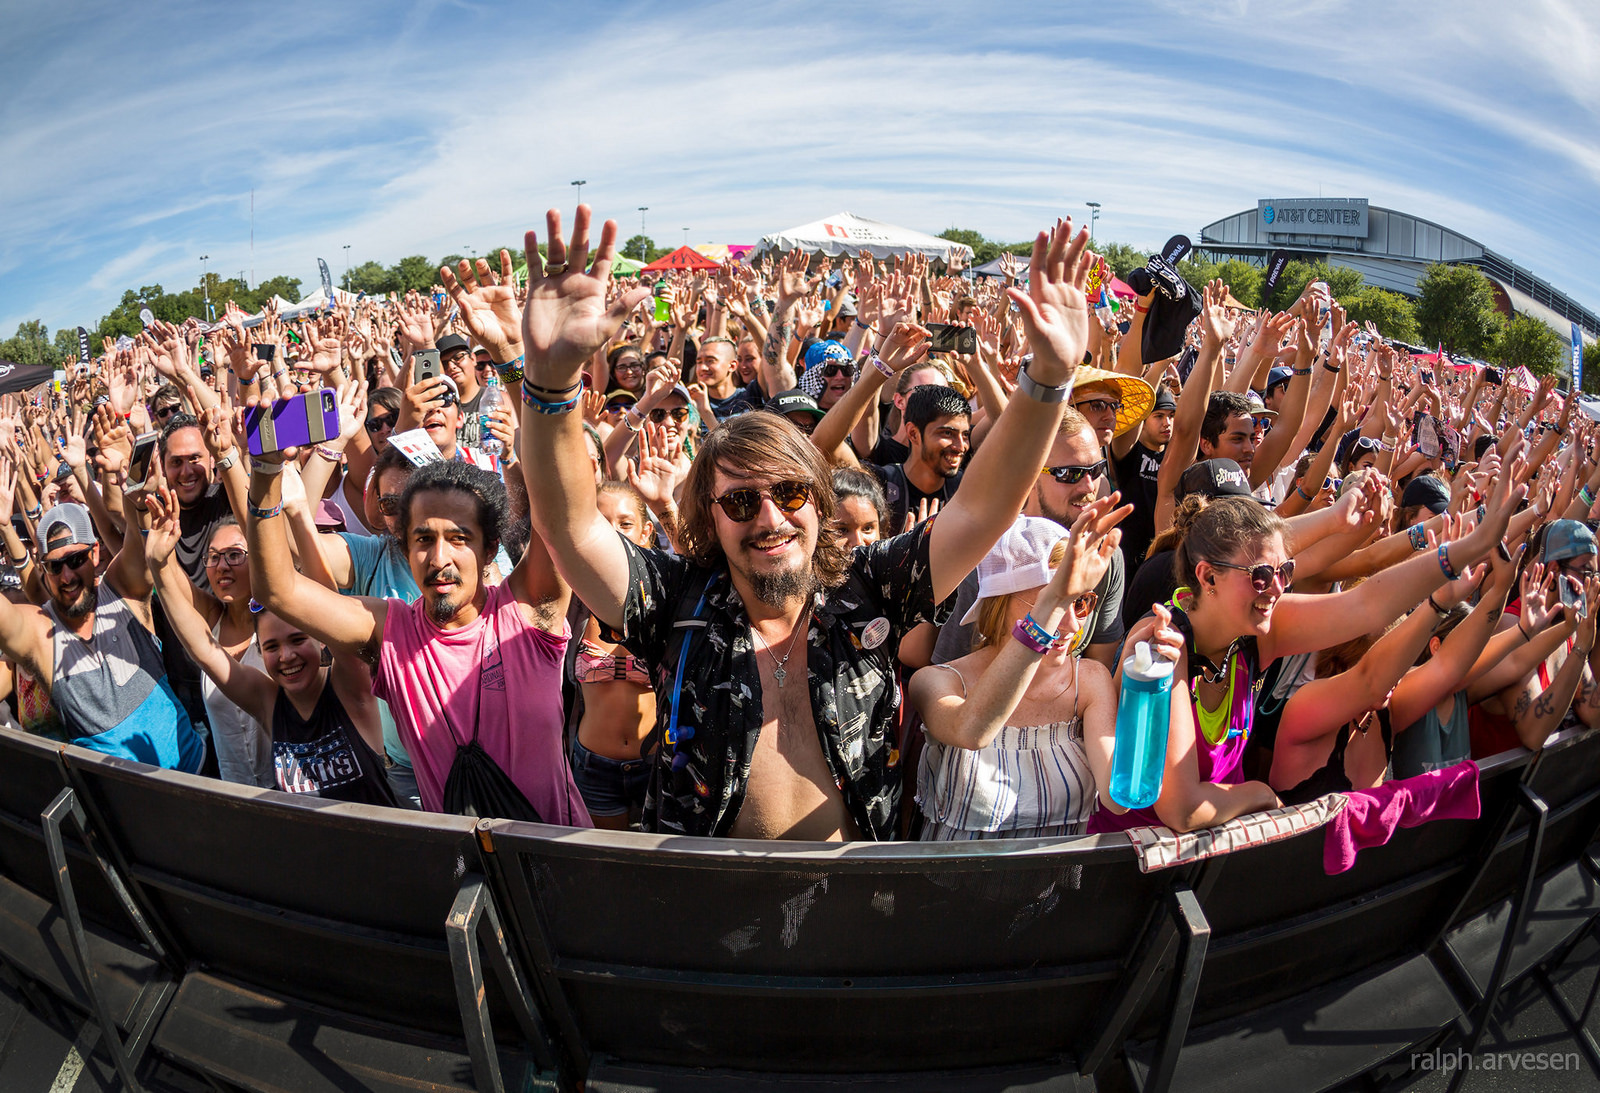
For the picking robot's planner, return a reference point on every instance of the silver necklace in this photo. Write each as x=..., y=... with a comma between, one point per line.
x=778, y=672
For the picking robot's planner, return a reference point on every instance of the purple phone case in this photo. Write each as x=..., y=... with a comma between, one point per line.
x=309, y=418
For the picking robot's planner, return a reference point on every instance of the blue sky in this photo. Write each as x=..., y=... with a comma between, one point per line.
x=133, y=135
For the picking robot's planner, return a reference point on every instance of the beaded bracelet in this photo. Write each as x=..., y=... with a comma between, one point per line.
x=1029, y=642
x=1445, y=567
x=1419, y=536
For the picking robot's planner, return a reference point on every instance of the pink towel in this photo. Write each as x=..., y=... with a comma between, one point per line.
x=1372, y=815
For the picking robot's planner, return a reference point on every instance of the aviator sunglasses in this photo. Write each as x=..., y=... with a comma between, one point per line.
x=741, y=505
x=76, y=560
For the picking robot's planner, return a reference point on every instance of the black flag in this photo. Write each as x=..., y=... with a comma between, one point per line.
x=83, y=346
x=327, y=279
x=1275, y=266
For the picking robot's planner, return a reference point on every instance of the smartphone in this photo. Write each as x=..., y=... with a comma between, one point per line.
x=1426, y=435
x=266, y=352
x=1492, y=375
x=950, y=338
x=308, y=418
x=425, y=365
x=144, y=447
x=1426, y=374
x=1571, y=595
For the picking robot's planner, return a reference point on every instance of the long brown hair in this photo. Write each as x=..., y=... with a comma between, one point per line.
x=761, y=445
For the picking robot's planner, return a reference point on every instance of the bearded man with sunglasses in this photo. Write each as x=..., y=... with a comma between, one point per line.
x=1072, y=477
x=771, y=645
x=93, y=647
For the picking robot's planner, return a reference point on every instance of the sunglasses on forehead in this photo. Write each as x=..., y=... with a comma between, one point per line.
x=1261, y=575
x=1070, y=476
x=741, y=505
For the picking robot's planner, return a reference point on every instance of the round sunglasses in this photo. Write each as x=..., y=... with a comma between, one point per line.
x=680, y=414
x=1261, y=575
x=741, y=505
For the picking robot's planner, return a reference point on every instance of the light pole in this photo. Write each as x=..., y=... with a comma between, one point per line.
x=642, y=210
x=205, y=289
x=580, y=183
x=686, y=237
x=347, y=267
x=1094, y=214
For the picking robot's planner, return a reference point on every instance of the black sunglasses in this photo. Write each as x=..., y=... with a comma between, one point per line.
x=1071, y=476
x=74, y=560
x=741, y=505
x=165, y=412
x=1261, y=575
x=380, y=421
x=389, y=504
x=834, y=368
x=618, y=405
x=680, y=414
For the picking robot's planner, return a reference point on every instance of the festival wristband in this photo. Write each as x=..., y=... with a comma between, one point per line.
x=328, y=453
x=1419, y=536
x=263, y=514
x=877, y=362
x=1026, y=638
x=266, y=468
x=1038, y=391
x=510, y=371
x=1445, y=567
x=539, y=406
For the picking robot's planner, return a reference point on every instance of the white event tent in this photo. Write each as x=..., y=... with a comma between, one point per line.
x=846, y=233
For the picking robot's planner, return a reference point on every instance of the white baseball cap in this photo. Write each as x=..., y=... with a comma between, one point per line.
x=1018, y=562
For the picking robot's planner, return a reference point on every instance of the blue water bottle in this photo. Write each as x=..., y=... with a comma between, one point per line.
x=1140, y=756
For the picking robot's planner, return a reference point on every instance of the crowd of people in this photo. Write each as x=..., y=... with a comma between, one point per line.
x=555, y=547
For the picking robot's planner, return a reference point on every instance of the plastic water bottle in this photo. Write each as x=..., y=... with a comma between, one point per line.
x=1140, y=756
x=494, y=397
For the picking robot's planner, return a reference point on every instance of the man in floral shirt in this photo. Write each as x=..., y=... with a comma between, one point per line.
x=771, y=643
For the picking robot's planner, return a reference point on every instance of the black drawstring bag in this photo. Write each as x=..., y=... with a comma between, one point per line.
x=478, y=787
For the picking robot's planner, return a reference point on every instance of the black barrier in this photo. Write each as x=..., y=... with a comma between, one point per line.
x=275, y=942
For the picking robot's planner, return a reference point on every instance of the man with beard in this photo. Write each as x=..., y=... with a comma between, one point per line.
x=94, y=649
x=203, y=504
x=1073, y=476
x=465, y=662
x=939, y=428
x=765, y=594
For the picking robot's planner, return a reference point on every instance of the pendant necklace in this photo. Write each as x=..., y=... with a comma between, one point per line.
x=778, y=672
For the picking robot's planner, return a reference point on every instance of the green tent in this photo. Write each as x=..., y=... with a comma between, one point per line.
x=620, y=267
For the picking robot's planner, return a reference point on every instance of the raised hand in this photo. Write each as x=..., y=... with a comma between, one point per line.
x=792, y=282
x=1054, y=311
x=162, y=538
x=567, y=317
x=906, y=345
x=488, y=304
x=655, y=476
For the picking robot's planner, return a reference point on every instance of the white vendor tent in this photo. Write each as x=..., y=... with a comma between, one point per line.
x=846, y=233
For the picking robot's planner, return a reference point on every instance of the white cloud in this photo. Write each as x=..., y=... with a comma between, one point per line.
x=443, y=130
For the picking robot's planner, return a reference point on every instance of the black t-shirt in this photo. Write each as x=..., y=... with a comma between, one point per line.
x=1136, y=478
x=903, y=496
x=1153, y=584
x=742, y=401
x=889, y=450
x=196, y=523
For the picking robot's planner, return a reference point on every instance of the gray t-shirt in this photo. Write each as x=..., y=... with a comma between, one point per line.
x=1105, y=625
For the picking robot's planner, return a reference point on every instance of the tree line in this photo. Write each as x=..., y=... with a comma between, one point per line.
x=1455, y=305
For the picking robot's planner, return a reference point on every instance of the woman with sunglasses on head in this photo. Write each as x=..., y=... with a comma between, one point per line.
x=1233, y=615
x=325, y=738
x=1020, y=730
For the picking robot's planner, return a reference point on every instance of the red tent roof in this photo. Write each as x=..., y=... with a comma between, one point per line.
x=683, y=258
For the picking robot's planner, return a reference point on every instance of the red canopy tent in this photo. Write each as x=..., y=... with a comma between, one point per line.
x=1119, y=287
x=683, y=258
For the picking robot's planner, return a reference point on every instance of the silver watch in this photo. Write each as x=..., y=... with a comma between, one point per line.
x=1038, y=391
